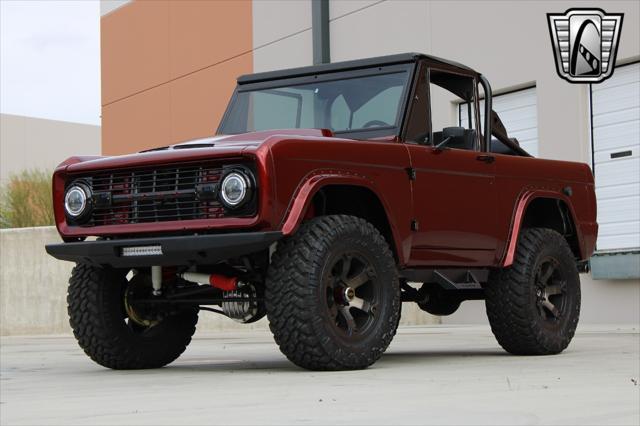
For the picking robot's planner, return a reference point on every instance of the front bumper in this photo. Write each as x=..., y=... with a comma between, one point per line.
x=179, y=250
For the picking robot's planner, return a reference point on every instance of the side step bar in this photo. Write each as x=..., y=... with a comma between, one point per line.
x=467, y=282
x=449, y=279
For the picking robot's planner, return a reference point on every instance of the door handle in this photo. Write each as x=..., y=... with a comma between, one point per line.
x=486, y=158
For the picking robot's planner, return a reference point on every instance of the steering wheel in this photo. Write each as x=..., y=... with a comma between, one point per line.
x=376, y=123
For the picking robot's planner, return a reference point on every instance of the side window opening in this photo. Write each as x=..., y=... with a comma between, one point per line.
x=517, y=110
x=446, y=92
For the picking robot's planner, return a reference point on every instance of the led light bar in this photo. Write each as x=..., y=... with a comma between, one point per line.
x=141, y=251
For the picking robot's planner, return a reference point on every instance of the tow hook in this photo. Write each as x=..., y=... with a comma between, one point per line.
x=218, y=281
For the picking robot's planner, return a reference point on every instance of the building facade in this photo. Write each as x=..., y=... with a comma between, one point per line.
x=169, y=68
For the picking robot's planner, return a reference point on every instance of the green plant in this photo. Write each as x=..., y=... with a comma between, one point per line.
x=26, y=200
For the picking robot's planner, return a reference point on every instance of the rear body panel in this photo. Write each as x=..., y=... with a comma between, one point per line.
x=521, y=179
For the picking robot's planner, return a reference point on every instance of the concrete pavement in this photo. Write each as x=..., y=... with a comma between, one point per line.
x=430, y=375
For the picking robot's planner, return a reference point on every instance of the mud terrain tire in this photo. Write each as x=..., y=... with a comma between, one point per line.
x=309, y=298
x=534, y=305
x=97, y=316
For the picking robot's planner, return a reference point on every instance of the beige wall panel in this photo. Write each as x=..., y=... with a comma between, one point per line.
x=513, y=47
x=511, y=52
x=383, y=29
x=139, y=122
x=291, y=52
x=603, y=302
x=199, y=100
x=108, y=6
x=203, y=33
x=134, y=48
x=26, y=308
x=36, y=143
x=630, y=36
x=274, y=19
x=509, y=43
x=343, y=7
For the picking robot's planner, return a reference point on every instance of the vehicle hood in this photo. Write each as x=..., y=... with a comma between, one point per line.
x=222, y=146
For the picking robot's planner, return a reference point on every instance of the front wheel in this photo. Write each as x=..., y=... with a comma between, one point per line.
x=533, y=306
x=113, y=331
x=333, y=295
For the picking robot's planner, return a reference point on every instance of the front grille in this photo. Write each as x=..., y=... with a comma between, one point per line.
x=155, y=195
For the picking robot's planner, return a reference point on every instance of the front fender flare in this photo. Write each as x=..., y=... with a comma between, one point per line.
x=315, y=181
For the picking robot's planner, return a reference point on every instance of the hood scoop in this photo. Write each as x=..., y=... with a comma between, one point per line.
x=182, y=146
x=194, y=145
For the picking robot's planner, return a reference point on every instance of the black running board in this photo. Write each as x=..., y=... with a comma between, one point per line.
x=466, y=282
x=449, y=279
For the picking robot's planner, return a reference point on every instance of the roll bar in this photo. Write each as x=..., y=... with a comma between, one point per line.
x=490, y=118
x=487, y=112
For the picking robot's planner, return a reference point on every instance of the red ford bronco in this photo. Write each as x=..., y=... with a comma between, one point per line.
x=329, y=195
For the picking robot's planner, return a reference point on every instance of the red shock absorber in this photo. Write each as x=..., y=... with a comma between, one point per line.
x=218, y=281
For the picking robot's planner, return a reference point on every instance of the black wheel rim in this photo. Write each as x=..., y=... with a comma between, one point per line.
x=352, y=294
x=551, y=290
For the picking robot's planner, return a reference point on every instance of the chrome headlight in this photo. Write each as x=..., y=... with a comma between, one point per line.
x=235, y=189
x=76, y=200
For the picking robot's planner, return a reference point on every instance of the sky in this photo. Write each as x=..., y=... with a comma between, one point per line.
x=50, y=59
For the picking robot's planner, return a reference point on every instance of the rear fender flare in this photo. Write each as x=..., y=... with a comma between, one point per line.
x=519, y=213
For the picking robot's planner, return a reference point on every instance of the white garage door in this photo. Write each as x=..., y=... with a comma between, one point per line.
x=615, y=107
x=519, y=114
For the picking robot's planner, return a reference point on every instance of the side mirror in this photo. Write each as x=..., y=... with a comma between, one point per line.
x=449, y=133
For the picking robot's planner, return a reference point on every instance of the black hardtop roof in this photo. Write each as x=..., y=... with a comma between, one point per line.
x=346, y=65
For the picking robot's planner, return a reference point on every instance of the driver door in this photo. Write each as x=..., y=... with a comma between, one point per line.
x=455, y=201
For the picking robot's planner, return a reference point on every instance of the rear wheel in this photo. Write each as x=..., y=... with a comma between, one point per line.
x=533, y=306
x=332, y=294
x=114, y=331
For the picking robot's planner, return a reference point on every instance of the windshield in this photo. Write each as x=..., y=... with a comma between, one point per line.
x=369, y=103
